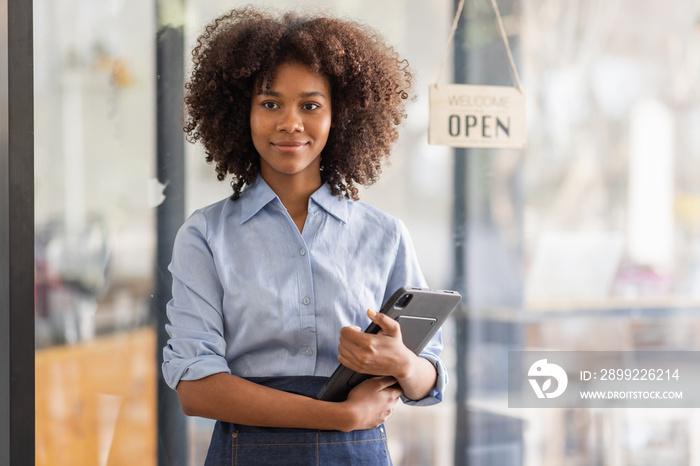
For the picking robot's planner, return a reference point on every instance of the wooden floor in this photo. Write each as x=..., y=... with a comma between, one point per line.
x=96, y=402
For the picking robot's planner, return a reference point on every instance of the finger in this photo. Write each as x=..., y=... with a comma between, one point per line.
x=346, y=353
x=355, y=339
x=348, y=359
x=351, y=340
x=350, y=329
x=351, y=333
x=388, y=325
x=355, y=346
x=385, y=382
x=396, y=391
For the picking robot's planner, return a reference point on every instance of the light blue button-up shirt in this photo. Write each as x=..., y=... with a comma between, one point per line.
x=254, y=297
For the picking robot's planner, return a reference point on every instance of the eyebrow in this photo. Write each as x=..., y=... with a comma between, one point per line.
x=303, y=95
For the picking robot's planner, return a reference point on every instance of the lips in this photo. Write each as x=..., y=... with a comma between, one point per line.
x=290, y=147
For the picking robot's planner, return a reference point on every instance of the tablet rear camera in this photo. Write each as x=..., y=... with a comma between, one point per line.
x=403, y=301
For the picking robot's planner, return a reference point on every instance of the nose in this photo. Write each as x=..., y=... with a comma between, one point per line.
x=290, y=122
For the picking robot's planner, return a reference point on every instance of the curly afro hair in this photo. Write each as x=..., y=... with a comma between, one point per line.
x=241, y=49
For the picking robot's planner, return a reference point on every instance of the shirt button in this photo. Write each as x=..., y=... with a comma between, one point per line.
x=309, y=351
x=302, y=251
x=306, y=301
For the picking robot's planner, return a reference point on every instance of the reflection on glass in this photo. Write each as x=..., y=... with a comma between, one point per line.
x=611, y=153
x=94, y=140
x=611, y=210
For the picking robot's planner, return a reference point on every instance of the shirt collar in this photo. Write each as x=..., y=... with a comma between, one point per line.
x=255, y=197
x=259, y=194
x=337, y=207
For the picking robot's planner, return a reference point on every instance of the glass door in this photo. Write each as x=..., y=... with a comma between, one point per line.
x=95, y=199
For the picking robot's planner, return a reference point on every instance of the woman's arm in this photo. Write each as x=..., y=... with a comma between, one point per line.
x=385, y=354
x=226, y=397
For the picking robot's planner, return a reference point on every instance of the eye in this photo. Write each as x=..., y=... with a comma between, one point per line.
x=310, y=106
x=270, y=105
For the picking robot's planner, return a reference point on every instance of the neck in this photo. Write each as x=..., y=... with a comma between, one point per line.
x=294, y=192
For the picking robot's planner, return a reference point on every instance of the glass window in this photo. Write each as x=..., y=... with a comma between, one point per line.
x=611, y=210
x=94, y=71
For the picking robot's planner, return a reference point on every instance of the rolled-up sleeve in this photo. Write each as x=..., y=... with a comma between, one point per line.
x=431, y=352
x=406, y=272
x=196, y=347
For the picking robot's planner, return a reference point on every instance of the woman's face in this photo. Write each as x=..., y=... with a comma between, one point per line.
x=290, y=121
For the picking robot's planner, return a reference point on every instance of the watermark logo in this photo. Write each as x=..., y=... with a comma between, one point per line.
x=603, y=379
x=544, y=372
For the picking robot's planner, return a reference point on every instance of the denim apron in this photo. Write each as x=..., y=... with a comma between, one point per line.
x=240, y=445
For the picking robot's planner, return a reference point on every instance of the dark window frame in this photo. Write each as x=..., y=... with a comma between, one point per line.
x=17, y=411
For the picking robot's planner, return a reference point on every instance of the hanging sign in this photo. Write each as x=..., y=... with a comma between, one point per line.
x=477, y=116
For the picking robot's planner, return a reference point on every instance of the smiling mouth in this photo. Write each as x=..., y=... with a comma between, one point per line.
x=289, y=147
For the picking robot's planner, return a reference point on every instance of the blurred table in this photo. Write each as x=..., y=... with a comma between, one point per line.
x=96, y=401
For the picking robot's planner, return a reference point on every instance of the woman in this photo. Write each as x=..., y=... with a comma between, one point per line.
x=270, y=286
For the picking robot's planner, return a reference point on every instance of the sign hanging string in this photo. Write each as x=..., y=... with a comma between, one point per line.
x=504, y=36
x=458, y=13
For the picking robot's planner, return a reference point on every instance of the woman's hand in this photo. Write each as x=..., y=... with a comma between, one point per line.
x=382, y=353
x=385, y=354
x=371, y=402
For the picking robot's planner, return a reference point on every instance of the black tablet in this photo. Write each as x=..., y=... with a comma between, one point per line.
x=419, y=311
